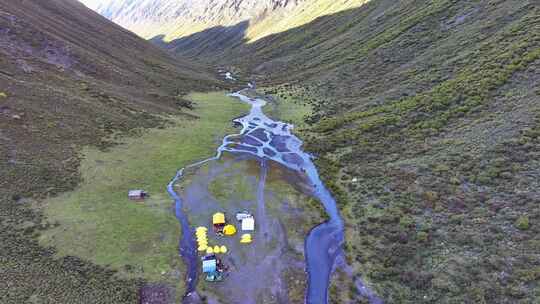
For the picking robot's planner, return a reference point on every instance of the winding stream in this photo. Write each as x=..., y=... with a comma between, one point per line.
x=267, y=139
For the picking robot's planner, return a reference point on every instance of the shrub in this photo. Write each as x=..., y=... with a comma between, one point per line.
x=3, y=95
x=406, y=221
x=522, y=223
x=529, y=275
x=422, y=236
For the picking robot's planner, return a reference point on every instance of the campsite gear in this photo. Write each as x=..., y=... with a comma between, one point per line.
x=248, y=224
x=209, y=266
x=218, y=221
x=246, y=238
x=137, y=195
x=213, y=267
x=242, y=215
x=214, y=276
x=218, y=218
x=229, y=230
x=202, y=239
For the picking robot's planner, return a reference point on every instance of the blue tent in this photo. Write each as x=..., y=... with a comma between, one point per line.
x=209, y=266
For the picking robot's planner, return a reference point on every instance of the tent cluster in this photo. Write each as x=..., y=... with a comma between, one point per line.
x=212, y=265
x=202, y=242
x=202, y=238
x=247, y=223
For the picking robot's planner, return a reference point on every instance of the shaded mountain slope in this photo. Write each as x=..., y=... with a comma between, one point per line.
x=426, y=127
x=68, y=78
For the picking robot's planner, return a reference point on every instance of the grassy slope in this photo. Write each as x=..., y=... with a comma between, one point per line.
x=98, y=222
x=69, y=78
x=426, y=131
x=302, y=14
x=286, y=107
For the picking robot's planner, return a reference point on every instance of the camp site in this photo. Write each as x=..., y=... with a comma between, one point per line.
x=247, y=237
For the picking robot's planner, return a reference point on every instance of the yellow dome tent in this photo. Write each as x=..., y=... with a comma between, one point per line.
x=223, y=249
x=246, y=238
x=217, y=249
x=202, y=247
x=218, y=218
x=229, y=230
x=209, y=250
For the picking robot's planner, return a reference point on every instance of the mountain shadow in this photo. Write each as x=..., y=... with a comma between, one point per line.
x=209, y=41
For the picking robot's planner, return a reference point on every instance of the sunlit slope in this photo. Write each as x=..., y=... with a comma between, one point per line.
x=300, y=15
x=170, y=20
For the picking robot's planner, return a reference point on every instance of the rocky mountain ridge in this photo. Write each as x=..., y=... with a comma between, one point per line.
x=173, y=19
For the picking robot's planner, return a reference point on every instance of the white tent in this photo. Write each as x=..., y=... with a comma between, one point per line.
x=242, y=215
x=248, y=224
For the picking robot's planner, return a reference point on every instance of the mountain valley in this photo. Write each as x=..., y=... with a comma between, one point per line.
x=422, y=117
